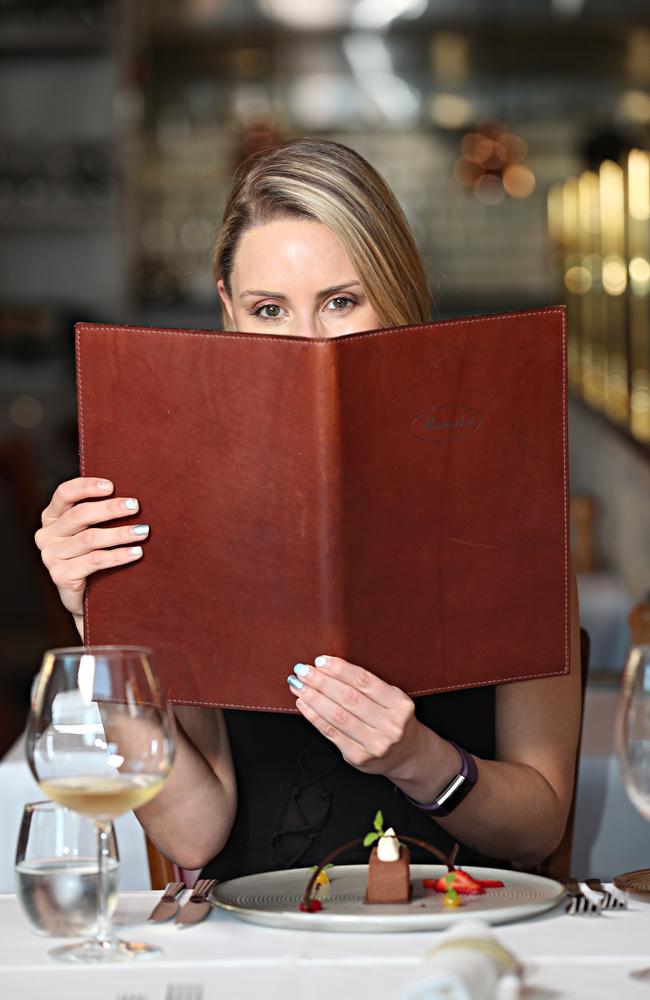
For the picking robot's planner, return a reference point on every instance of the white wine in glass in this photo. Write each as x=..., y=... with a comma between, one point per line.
x=103, y=797
x=100, y=740
x=632, y=731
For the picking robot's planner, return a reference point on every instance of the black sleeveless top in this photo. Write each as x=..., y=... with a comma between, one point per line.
x=298, y=799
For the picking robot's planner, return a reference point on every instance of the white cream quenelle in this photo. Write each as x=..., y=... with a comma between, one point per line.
x=388, y=846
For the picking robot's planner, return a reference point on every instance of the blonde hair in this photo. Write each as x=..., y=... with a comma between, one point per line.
x=329, y=183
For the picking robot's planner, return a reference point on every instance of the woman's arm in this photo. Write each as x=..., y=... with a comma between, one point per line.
x=519, y=807
x=190, y=820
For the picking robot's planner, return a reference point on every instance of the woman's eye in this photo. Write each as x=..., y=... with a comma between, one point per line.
x=269, y=311
x=340, y=303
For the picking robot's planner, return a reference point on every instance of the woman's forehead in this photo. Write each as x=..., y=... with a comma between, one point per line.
x=284, y=249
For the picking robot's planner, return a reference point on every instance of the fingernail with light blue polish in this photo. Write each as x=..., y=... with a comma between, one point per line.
x=140, y=529
x=321, y=661
x=295, y=683
x=302, y=670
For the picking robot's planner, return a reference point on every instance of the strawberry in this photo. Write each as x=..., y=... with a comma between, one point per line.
x=456, y=879
x=489, y=883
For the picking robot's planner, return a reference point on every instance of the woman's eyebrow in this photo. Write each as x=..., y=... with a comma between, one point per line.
x=338, y=288
x=263, y=293
x=278, y=295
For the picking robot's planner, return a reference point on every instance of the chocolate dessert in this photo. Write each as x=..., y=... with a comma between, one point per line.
x=388, y=869
x=388, y=881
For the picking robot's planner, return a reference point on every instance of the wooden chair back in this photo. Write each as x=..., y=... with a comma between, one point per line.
x=639, y=622
x=161, y=869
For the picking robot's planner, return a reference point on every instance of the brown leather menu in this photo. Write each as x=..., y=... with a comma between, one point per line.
x=396, y=497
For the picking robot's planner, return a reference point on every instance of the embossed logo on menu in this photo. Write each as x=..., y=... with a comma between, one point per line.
x=446, y=420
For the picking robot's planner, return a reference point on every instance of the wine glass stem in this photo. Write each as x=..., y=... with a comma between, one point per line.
x=103, y=933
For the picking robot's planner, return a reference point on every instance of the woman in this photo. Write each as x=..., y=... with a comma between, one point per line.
x=313, y=244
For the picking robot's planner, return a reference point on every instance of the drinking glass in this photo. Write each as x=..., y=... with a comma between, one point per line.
x=100, y=740
x=56, y=870
x=632, y=730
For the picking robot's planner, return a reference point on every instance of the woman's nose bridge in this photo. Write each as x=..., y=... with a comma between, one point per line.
x=305, y=324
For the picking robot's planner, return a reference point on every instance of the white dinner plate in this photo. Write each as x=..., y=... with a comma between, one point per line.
x=273, y=899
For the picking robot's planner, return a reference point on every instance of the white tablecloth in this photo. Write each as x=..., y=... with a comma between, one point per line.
x=567, y=958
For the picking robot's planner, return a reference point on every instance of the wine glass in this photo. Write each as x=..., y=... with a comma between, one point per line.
x=100, y=740
x=632, y=729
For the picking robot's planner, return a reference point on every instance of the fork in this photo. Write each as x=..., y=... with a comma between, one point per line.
x=579, y=903
x=202, y=888
x=168, y=904
x=611, y=900
x=172, y=890
x=199, y=905
x=184, y=991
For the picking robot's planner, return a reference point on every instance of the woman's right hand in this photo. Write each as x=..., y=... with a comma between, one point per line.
x=72, y=547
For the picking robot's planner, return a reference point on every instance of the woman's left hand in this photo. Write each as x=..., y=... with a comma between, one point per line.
x=372, y=723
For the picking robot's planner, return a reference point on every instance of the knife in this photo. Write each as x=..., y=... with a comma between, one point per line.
x=198, y=905
x=167, y=907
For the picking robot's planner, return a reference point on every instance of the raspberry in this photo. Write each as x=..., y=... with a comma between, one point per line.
x=313, y=906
